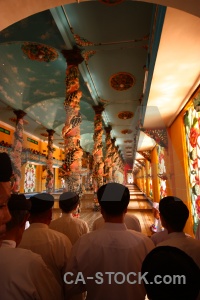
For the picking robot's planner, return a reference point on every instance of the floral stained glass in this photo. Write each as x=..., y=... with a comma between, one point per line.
x=29, y=181
x=162, y=171
x=192, y=131
x=150, y=182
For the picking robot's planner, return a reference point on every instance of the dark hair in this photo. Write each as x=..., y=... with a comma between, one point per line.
x=167, y=263
x=174, y=212
x=5, y=167
x=69, y=204
x=19, y=208
x=113, y=198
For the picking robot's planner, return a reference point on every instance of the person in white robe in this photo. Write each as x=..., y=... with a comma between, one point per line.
x=24, y=275
x=54, y=247
x=107, y=262
x=71, y=226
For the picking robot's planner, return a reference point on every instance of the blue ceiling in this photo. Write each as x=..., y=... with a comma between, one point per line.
x=121, y=37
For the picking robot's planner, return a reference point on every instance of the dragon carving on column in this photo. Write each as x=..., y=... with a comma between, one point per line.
x=98, y=163
x=71, y=167
x=109, y=154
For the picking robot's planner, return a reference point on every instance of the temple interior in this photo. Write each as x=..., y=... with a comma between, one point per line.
x=103, y=91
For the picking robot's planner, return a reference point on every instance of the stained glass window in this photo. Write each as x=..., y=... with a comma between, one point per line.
x=162, y=171
x=150, y=182
x=29, y=180
x=192, y=131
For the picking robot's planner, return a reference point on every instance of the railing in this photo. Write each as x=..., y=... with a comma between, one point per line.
x=27, y=156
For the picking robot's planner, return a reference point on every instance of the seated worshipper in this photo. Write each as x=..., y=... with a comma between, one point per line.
x=5, y=191
x=53, y=246
x=169, y=273
x=109, y=259
x=72, y=227
x=131, y=222
x=24, y=274
x=174, y=214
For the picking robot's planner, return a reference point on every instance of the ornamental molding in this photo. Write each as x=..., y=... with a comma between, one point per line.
x=125, y=115
x=39, y=52
x=158, y=135
x=122, y=81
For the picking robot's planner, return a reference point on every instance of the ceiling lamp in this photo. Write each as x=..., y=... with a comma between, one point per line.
x=122, y=81
x=39, y=52
x=126, y=131
x=125, y=115
x=128, y=141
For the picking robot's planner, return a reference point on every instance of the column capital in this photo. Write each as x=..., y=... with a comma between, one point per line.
x=108, y=129
x=19, y=113
x=73, y=56
x=50, y=132
x=98, y=109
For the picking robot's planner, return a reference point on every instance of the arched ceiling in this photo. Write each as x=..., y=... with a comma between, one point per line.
x=137, y=38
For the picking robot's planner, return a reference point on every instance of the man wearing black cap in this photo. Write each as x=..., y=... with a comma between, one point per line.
x=110, y=258
x=24, y=274
x=53, y=246
x=72, y=227
x=174, y=214
x=5, y=190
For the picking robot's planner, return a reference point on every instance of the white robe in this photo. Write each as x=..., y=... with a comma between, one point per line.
x=131, y=222
x=71, y=226
x=53, y=246
x=24, y=275
x=112, y=248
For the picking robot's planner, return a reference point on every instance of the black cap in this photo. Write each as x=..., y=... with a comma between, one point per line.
x=170, y=262
x=5, y=167
x=41, y=202
x=170, y=207
x=18, y=202
x=68, y=201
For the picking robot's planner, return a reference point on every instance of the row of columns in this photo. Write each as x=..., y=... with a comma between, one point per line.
x=71, y=168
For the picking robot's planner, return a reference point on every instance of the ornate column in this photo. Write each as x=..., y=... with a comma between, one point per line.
x=17, y=150
x=98, y=163
x=108, y=158
x=50, y=175
x=114, y=158
x=71, y=168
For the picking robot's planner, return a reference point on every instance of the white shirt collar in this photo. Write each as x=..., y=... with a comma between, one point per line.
x=8, y=244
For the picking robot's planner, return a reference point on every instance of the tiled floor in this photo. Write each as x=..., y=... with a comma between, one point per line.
x=139, y=206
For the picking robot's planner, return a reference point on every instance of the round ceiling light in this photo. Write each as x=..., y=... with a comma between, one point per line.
x=125, y=115
x=128, y=141
x=122, y=81
x=126, y=131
